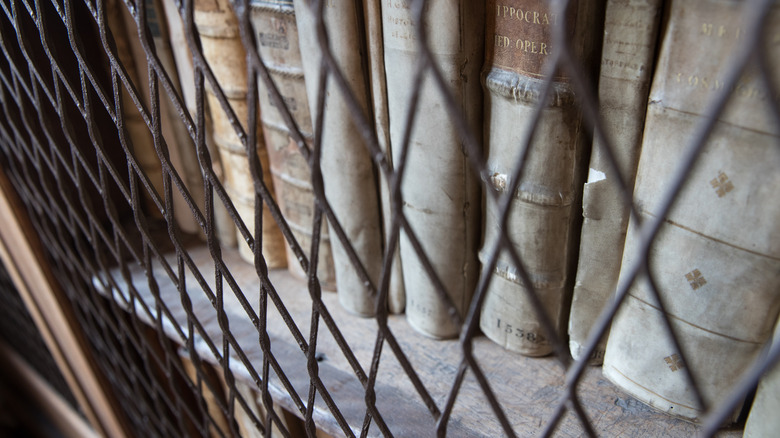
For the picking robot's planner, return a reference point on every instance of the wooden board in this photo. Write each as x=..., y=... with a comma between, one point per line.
x=528, y=388
x=25, y=379
x=23, y=257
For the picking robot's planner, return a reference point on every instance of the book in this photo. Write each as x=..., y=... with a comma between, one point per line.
x=441, y=195
x=376, y=61
x=763, y=420
x=225, y=229
x=207, y=380
x=542, y=222
x=137, y=132
x=180, y=146
x=222, y=48
x=715, y=260
x=276, y=35
x=628, y=51
x=246, y=426
x=347, y=170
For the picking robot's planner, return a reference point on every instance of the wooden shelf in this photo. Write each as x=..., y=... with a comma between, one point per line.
x=528, y=388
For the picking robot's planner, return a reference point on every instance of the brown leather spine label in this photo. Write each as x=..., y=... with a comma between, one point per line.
x=519, y=35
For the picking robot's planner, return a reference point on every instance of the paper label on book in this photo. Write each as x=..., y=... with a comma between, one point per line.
x=691, y=83
x=627, y=42
x=522, y=41
x=401, y=25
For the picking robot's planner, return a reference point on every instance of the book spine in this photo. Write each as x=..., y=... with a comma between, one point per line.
x=276, y=34
x=225, y=229
x=763, y=420
x=139, y=134
x=441, y=195
x=376, y=61
x=223, y=50
x=716, y=258
x=181, y=152
x=347, y=170
x=207, y=379
x=628, y=51
x=541, y=222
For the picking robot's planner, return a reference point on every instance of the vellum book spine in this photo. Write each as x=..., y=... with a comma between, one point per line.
x=376, y=61
x=225, y=230
x=764, y=420
x=716, y=259
x=223, y=50
x=139, y=134
x=347, y=168
x=276, y=34
x=441, y=194
x=628, y=51
x=180, y=145
x=541, y=222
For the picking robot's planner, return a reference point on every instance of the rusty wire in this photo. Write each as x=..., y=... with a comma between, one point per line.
x=66, y=148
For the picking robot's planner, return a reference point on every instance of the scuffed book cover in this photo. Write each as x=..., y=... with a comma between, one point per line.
x=541, y=225
x=347, y=168
x=276, y=35
x=441, y=198
x=628, y=51
x=716, y=258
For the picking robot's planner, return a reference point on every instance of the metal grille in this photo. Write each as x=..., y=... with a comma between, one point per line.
x=153, y=299
x=18, y=330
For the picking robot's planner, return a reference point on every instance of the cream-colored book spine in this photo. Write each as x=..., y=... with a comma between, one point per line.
x=226, y=56
x=209, y=381
x=139, y=134
x=376, y=62
x=180, y=146
x=541, y=223
x=716, y=257
x=347, y=170
x=276, y=35
x=440, y=193
x=764, y=420
x=246, y=425
x=225, y=229
x=628, y=51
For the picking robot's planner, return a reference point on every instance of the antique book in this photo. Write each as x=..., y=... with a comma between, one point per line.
x=627, y=54
x=276, y=35
x=715, y=261
x=209, y=382
x=180, y=145
x=139, y=134
x=225, y=229
x=764, y=420
x=542, y=222
x=347, y=170
x=225, y=54
x=376, y=62
x=440, y=193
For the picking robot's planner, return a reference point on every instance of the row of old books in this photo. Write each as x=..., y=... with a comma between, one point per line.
x=499, y=70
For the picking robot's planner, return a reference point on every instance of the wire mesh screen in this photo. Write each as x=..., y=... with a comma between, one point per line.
x=201, y=335
x=18, y=330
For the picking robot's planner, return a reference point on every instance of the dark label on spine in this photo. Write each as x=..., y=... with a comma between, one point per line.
x=520, y=34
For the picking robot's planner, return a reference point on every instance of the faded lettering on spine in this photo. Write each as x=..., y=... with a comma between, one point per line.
x=540, y=226
x=276, y=35
x=630, y=35
x=716, y=258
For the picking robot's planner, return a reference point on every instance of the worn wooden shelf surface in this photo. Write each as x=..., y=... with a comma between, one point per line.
x=528, y=388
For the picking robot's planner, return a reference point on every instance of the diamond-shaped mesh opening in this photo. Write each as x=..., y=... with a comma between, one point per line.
x=145, y=140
